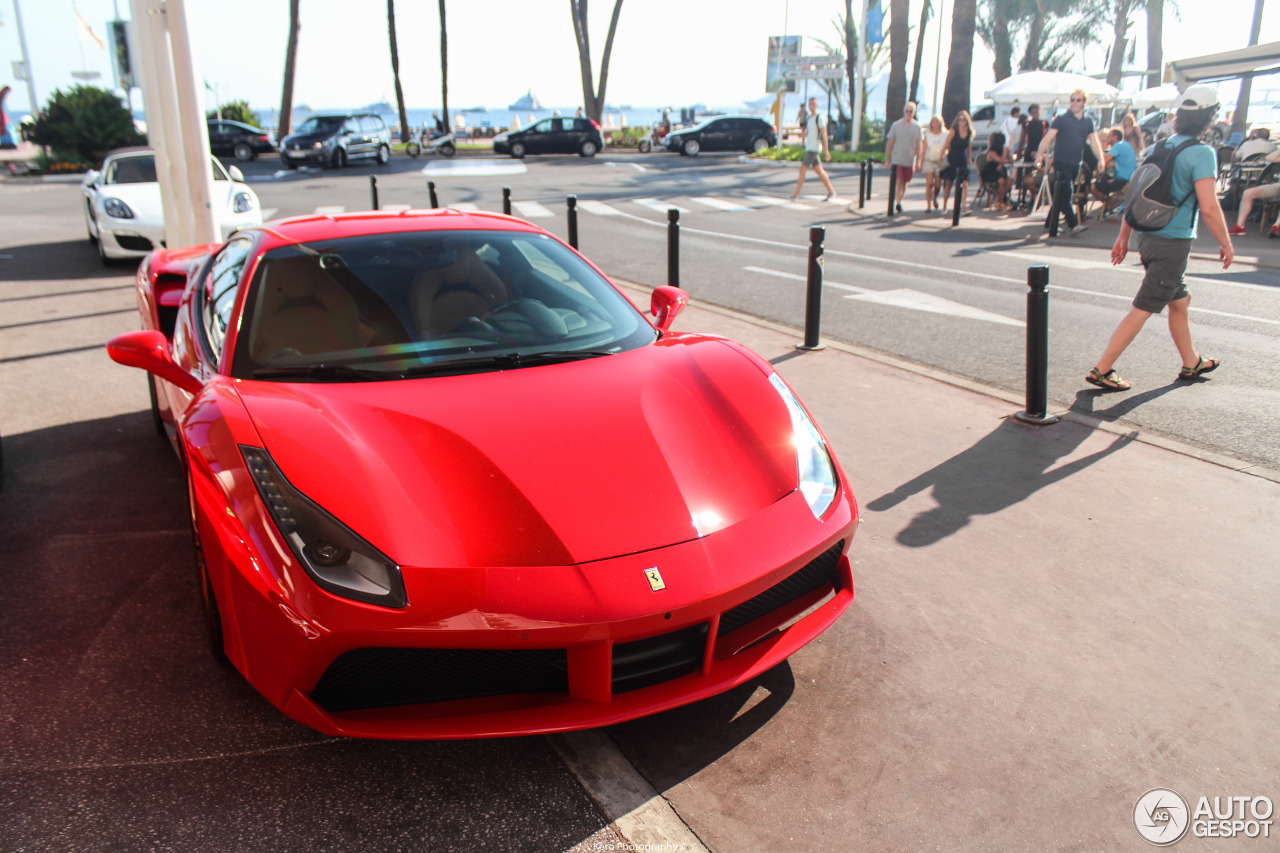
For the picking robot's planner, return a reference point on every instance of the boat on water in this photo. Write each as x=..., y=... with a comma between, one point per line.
x=528, y=101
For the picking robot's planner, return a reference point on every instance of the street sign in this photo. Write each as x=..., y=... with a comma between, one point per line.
x=20, y=70
x=834, y=73
x=831, y=59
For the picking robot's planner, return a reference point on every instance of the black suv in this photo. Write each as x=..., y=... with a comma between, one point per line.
x=332, y=140
x=724, y=133
x=552, y=136
x=242, y=141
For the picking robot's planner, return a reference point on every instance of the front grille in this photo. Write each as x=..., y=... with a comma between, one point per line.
x=384, y=678
x=818, y=573
x=644, y=663
x=133, y=243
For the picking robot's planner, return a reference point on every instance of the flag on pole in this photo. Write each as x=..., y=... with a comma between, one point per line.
x=875, y=23
x=86, y=31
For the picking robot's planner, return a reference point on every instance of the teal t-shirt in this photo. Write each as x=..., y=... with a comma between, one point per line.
x=1193, y=164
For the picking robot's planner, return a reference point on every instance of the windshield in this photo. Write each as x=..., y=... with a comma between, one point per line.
x=320, y=124
x=141, y=169
x=422, y=303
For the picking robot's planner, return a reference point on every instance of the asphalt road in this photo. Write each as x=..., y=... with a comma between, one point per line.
x=951, y=301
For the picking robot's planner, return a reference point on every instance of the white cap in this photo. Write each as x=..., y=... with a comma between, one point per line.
x=1198, y=98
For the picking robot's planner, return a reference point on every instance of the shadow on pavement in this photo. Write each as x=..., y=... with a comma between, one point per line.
x=1005, y=468
x=69, y=259
x=1087, y=400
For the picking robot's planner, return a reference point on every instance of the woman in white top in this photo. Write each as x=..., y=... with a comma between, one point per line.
x=934, y=137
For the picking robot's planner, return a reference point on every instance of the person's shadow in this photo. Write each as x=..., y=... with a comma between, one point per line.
x=1002, y=469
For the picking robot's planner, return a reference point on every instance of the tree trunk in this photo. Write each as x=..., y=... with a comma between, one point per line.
x=851, y=69
x=899, y=50
x=1035, y=35
x=955, y=94
x=290, y=62
x=915, y=69
x=592, y=100
x=1240, y=118
x=1155, y=41
x=1001, y=41
x=1119, y=41
x=444, y=72
x=395, y=70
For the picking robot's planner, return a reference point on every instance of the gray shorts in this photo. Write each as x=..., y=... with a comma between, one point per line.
x=1166, y=262
x=811, y=158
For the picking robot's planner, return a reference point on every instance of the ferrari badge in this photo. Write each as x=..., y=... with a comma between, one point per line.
x=655, y=579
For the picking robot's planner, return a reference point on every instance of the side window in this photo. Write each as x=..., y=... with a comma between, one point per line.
x=223, y=286
x=543, y=126
x=369, y=124
x=352, y=125
x=987, y=113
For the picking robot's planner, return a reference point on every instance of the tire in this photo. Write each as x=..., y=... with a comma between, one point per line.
x=213, y=632
x=102, y=253
x=759, y=144
x=244, y=152
x=413, y=149
x=89, y=225
x=691, y=147
x=339, y=159
x=448, y=150
x=156, y=420
x=588, y=149
x=644, y=145
x=288, y=164
x=384, y=154
x=517, y=150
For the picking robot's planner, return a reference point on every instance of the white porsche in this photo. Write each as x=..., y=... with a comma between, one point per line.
x=122, y=208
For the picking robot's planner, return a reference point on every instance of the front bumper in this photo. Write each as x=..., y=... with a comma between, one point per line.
x=513, y=651
x=307, y=155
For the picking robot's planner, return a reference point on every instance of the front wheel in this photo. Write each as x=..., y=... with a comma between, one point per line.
x=692, y=147
x=213, y=632
x=413, y=149
x=339, y=158
x=644, y=145
x=384, y=154
x=517, y=150
x=288, y=164
x=588, y=149
x=244, y=152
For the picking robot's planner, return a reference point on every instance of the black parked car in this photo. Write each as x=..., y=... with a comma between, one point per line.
x=332, y=140
x=242, y=141
x=723, y=133
x=552, y=136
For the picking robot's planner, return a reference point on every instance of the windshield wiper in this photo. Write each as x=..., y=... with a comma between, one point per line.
x=500, y=361
x=323, y=372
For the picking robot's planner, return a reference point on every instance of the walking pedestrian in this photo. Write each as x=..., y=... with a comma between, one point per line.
x=815, y=150
x=1072, y=131
x=904, y=148
x=934, y=138
x=958, y=149
x=1165, y=252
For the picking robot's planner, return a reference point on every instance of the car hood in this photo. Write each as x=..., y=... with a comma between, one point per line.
x=144, y=199
x=307, y=139
x=548, y=465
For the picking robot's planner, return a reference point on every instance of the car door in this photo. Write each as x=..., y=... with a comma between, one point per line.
x=353, y=138
x=540, y=137
x=219, y=137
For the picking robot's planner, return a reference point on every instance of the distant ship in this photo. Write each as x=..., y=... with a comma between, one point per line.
x=379, y=107
x=474, y=110
x=529, y=101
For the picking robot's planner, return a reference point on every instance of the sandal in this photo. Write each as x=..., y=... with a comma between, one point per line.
x=1109, y=380
x=1204, y=365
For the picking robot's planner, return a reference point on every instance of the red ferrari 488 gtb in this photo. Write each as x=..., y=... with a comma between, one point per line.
x=447, y=481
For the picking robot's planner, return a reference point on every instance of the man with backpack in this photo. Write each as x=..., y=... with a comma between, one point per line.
x=1176, y=182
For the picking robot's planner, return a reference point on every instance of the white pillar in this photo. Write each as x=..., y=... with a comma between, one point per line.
x=194, y=128
x=152, y=64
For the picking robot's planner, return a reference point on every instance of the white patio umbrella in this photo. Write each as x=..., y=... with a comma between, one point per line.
x=1050, y=86
x=1157, y=97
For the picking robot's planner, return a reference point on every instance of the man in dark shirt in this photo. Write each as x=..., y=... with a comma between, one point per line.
x=1072, y=131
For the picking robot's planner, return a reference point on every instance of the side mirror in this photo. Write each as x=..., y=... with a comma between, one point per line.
x=90, y=177
x=235, y=173
x=665, y=304
x=149, y=350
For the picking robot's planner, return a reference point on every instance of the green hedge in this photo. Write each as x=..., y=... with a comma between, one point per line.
x=795, y=153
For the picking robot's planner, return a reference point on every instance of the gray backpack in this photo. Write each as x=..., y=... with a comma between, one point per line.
x=1149, y=204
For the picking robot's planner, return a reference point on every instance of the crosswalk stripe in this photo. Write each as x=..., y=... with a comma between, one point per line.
x=394, y=207
x=778, y=202
x=324, y=210
x=531, y=209
x=466, y=206
x=720, y=204
x=658, y=205
x=599, y=208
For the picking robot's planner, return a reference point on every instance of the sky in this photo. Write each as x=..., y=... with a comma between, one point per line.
x=666, y=52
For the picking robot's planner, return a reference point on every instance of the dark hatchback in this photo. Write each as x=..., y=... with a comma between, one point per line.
x=242, y=141
x=332, y=140
x=552, y=136
x=724, y=133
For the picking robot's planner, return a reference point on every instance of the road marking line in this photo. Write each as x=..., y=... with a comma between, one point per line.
x=465, y=206
x=599, y=208
x=794, y=277
x=397, y=207
x=720, y=204
x=635, y=166
x=1127, y=268
x=469, y=168
x=778, y=202
x=659, y=206
x=329, y=209
x=531, y=209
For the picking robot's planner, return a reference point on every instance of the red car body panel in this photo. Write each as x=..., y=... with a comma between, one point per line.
x=523, y=507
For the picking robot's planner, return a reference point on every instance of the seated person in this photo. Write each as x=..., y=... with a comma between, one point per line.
x=995, y=168
x=1261, y=192
x=1258, y=144
x=1120, y=162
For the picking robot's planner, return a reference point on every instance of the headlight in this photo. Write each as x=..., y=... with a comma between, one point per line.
x=813, y=460
x=243, y=203
x=117, y=209
x=333, y=555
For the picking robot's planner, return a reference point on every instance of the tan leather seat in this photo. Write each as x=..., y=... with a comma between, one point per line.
x=440, y=299
x=305, y=310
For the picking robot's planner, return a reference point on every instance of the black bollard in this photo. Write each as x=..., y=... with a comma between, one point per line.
x=673, y=247
x=506, y=200
x=431, y=193
x=813, y=291
x=955, y=213
x=871, y=170
x=572, y=202
x=1037, y=349
x=373, y=191
x=862, y=184
x=893, y=187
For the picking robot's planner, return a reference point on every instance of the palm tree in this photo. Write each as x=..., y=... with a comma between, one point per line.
x=999, y=20
x=915, y=70
x=1155, y=40
x=290, y=62
x=955, y=94
x=592, y=100
x=1124, y=12
x=444, y=71
x=899, y=50
x=1241, y=114
x=395, y=70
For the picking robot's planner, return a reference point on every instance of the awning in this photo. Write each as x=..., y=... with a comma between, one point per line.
x=1256, y=59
